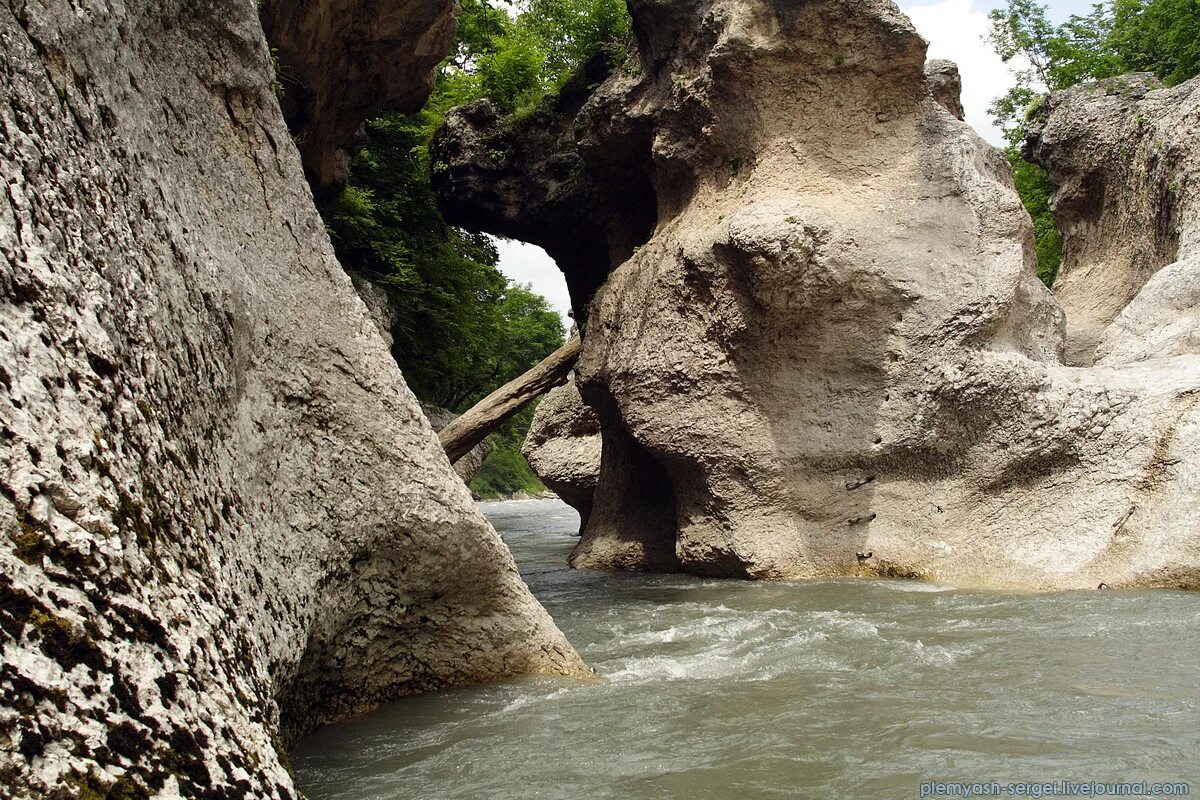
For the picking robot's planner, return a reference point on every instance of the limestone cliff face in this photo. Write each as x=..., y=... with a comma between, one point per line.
x=225, y=519
x=833, y=341
x=563, y=448
x=340, y=61
x=1125, y=155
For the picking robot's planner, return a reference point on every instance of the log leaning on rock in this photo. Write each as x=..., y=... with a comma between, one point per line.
x=461, y=435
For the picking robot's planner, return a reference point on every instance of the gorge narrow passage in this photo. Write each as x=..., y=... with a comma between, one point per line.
x=729, y=689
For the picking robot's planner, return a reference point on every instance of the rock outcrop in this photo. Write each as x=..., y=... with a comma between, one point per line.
x=379, y=308
x=945, y=84
x=1125, y=156
x=832, y=354
x=563, y=448
x=338, y=62
x=225, y=519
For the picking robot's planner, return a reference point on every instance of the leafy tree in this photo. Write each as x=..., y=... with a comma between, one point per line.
x=1159, y=36
x=572, y=31
x=480, y=28
x=512, y=75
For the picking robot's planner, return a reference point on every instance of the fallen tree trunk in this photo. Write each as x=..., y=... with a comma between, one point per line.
x=461, y=435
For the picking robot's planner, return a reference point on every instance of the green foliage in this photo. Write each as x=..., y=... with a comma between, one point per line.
x=1052, y=57
x=1034, y=187
x=1159, y=36
x=505, y=470
x=512, y=75
x=461, y=328
x=572, y=31
x=480, y=26
x=525, y=59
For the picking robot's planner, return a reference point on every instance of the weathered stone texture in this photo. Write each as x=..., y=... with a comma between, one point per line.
x=1125, y=156
x=225, y=519
x=468, y=465
x=834, y=341
x=945, y=84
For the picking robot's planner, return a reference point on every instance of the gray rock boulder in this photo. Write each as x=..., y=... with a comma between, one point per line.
x=563, y=448
x=1162, y=321
x=1124, y=154
x=834, y=342
x=225, y=519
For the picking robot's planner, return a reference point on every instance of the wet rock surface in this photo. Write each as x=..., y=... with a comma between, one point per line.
x=225, y=518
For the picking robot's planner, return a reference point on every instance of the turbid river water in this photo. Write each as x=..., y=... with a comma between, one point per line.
x=830, y=689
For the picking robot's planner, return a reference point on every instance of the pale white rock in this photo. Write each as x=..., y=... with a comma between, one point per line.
x=225, y=519
x=1162, y=321
x=830, y=340
x=1124, y=153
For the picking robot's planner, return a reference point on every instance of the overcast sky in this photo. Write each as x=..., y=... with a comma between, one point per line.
x=954, y=29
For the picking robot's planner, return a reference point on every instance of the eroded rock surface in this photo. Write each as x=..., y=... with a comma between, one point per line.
x=225, y=519
x=1125, y=156
x=945, y=84
x=379, y=307
x=833, y=355
x=341, y=61
x=563, y=447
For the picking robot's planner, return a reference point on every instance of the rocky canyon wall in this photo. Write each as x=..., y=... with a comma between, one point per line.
x=563, y=447
x=1124, y=154
x=225, y=518
x=830, y=353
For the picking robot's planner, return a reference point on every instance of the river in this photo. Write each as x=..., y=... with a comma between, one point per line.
x=828, y=689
